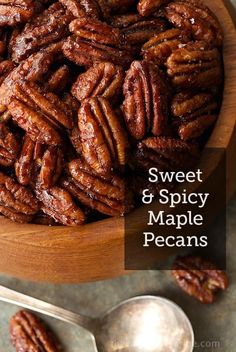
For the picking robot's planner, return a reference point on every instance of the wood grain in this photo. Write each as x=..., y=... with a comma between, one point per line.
x=96, y=251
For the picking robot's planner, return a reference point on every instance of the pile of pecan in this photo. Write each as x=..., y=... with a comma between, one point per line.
x=93, y=92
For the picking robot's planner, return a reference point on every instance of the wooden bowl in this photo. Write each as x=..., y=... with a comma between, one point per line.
x=96, y=251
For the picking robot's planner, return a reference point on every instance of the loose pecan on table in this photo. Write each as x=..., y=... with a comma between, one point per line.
x=58, y=204
x=195, y=65
x=38, y=163
x=161, y=46
x=47, y=28
x=199, y=278
x=146, y=100
x=16, y=201
x=103, y=138
x=193, y=16
x=104, y=79
x=40, y=114
x=106, y=194
x=29, y=333
x=13, y=12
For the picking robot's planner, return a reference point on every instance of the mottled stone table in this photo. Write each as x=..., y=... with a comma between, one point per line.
x=214, y=326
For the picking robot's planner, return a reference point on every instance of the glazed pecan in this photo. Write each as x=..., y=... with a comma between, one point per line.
x=195, y=66
x=104, y=194
x=16, y=201
x=58, y=204
x=97, y=31
x=85, y=8
x=9, y=146
x=29, y=333
x=104, y=141
x=186, y=106
x=38, y=113
x=57, y=80
x=143, y=30
x=32, y=69
x=38, y=162
x=161, y=46
x=104, y=79
x=193, y=16
x=196, y=128
x=6, y=67
x=13, y=12
x=147, y=7
x=75, y=140
x=168, y=154
x=47, y=28
x=95, y=41
x=146, y=100
x=199, y=278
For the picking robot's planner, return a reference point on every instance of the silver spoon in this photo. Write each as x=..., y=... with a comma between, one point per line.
x=140, y=324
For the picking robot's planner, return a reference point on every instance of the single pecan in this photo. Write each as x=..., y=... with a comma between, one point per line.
x=57, y=80
x=146, y=100
x=104, y=141
x=168, y=154
x=13, y=12
x=38, y=162
x=58, y=204
x=29, y=333
x=199, y=278
x=195, y=66
x=38, y=113
x=143, y=30
x=47, y=28
x=147, y=7
x=85, y=8
x=161, y=46
x=197, y=18
x=196, y=128
x=186, y=106
x=86, y=53
x=32, y=69
x=97, y=31
x=6, y=67
x=16, y=201
x=9, y=146
x=107, y=195
x=104, y=79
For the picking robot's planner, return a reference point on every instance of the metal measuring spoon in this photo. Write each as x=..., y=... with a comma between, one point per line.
x=140, y=324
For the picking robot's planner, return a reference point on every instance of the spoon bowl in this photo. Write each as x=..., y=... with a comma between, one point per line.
x=140, y=324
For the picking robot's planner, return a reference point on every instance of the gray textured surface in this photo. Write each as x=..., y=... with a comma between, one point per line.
x=214, y=325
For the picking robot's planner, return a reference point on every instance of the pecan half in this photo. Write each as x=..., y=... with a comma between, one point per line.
x=161, y=46
x=29, y=333
x=38, y=161
x=16, y=201
x=13, y=12
x=9, y=146
x=196, y=128
x=104, y=194
x=38, y=113
x=195, y=66
x=168, y=154
x=199, y=278
x=104, y=141
x=143, y=30
x=198, y=19
x=32, y=69
x=147, y=7
x=104, y=79
x=58, y=204
x=47, y=28
x=84, y=8
x=146, y=100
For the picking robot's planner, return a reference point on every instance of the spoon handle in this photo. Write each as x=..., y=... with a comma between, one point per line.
x=19, y=299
